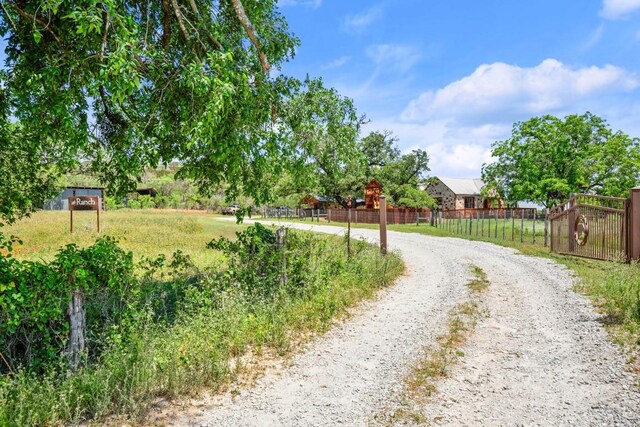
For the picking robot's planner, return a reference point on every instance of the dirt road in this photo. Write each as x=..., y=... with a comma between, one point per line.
x=541, y=357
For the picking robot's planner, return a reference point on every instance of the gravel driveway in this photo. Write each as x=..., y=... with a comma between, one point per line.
x=541, y=358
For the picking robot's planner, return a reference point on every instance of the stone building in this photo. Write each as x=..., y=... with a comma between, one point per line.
x=455, y=193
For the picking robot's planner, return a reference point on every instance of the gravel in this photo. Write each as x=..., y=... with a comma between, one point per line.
x=541, y=358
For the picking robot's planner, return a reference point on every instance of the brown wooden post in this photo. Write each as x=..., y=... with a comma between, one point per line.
x=546, y=228
x=349, y=204
x=71, y=212
x=383, y=225
x=98, y=218
x=534, y=226
x=572, y=223
x=633, y=227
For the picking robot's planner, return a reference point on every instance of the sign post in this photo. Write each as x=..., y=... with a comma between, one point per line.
x=84, y=203
x=383, y=225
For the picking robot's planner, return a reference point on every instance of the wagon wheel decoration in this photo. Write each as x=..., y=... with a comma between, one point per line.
x=581, y=230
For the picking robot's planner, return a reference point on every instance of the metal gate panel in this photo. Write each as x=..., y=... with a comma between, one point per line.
x=590, y=226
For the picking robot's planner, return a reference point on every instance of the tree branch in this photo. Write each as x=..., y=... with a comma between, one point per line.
x=166, y=23
x=176, y=10
x=196, y=12
x=103, y=46
x=38, y=20
x=251, y=32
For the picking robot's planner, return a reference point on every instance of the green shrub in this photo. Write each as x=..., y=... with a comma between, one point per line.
x=163, y=328
x=146, y=202
x=111, y=203
x=134, y=204
x=34, y=297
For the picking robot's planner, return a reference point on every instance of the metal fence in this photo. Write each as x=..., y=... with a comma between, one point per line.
x=293, y=213
x=591, y=226
x=517, y=224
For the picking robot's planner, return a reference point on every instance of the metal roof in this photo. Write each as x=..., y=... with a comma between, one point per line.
x=463, y=186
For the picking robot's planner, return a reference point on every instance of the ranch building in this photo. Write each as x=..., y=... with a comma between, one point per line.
x=61, y=202
x=456, y=193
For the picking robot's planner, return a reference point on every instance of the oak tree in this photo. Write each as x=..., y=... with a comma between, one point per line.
x=548, y=158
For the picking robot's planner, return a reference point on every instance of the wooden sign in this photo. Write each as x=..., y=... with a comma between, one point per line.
x=85, y=203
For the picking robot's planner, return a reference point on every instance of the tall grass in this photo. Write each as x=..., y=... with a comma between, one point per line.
x=146, y=232
x=615, y=289
x=202, y=348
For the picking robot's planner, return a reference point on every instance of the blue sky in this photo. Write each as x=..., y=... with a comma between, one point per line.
x=453, y=76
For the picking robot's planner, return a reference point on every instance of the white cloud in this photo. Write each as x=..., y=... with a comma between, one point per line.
x=502, y=88
x=457, y=123
x=616, y=9
x=313, y=4
x=454, y=151
x=360, y=21
x=394, y=57
x=337, y=63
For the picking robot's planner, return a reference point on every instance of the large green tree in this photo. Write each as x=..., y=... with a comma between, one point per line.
x=324, y=126
x=400, y=174
x=130, y=84
x=548, y=158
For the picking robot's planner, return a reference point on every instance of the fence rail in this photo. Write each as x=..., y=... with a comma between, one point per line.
x=362, y=216
x=372, y=216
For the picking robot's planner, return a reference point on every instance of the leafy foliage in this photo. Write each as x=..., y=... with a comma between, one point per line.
x=326, y=125
x=399, y=173
x=34, y=297
x=133, y=84
x=414, y=198
x=547, y=158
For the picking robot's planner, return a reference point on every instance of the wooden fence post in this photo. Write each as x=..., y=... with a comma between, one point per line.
x=383, y=225
x=633, y=227
x=546, y=228
x=572, y=222
x=77, y=315
x=535, y=213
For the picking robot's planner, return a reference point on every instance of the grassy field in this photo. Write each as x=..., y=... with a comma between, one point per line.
x=145, y=232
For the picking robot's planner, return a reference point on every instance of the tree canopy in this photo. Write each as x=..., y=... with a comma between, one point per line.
x=325, y=127
x=399, y=173
x=132, y=84
x=548, y=158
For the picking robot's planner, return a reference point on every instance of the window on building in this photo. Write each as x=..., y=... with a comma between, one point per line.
x=469, y=202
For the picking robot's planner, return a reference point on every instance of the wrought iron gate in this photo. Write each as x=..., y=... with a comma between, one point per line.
x=591, y=226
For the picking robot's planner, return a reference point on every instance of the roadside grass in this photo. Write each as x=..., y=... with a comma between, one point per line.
x=437, y=361
x=146, y=232
x=613, y=287
x=213, y=337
